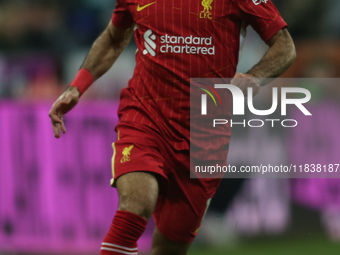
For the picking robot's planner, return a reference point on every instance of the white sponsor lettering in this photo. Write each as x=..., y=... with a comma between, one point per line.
x=178, y=44
x=257, y=2
x=149, y=43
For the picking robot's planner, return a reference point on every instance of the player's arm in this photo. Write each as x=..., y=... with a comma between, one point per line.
x=280, y=56
x=104, y=52
x=268, y=23
x=106, y=49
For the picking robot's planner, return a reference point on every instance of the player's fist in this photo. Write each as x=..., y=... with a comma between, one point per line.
x=61, y=106
x=244, y=81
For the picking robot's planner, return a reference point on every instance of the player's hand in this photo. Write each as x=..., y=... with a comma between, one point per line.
x=63, y=105
x=244, y=81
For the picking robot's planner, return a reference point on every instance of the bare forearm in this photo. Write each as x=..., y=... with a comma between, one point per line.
x=105, y=50
x=278, y=59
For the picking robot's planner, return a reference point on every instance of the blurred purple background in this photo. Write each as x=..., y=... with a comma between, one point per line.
x=55, y=194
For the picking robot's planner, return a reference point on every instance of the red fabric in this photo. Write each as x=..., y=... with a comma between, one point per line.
x=263, y=17
x=144, y=155
x=158, y=95
x=182, y=200
x=122, y=18
x=125, y=230
x=83, y=80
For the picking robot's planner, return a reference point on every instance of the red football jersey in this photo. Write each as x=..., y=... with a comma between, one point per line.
x=178, y=40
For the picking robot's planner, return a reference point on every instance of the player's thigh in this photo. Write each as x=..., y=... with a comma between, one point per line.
x=179, y=212
x=137, y=168
x=161, y=245
x=138, y=192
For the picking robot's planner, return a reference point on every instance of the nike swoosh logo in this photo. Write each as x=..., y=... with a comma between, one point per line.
x=139, y=8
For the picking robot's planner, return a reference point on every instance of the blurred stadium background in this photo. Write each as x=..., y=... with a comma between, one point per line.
x=55, y=196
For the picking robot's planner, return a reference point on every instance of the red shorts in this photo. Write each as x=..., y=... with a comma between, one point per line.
x=182, y=201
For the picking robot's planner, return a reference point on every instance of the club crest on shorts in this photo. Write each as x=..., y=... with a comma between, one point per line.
x=126, y=154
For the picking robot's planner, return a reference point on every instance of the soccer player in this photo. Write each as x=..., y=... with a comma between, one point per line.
x=177, y=40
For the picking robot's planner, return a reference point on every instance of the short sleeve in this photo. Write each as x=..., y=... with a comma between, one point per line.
x=263, y=16
x=121, y=17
